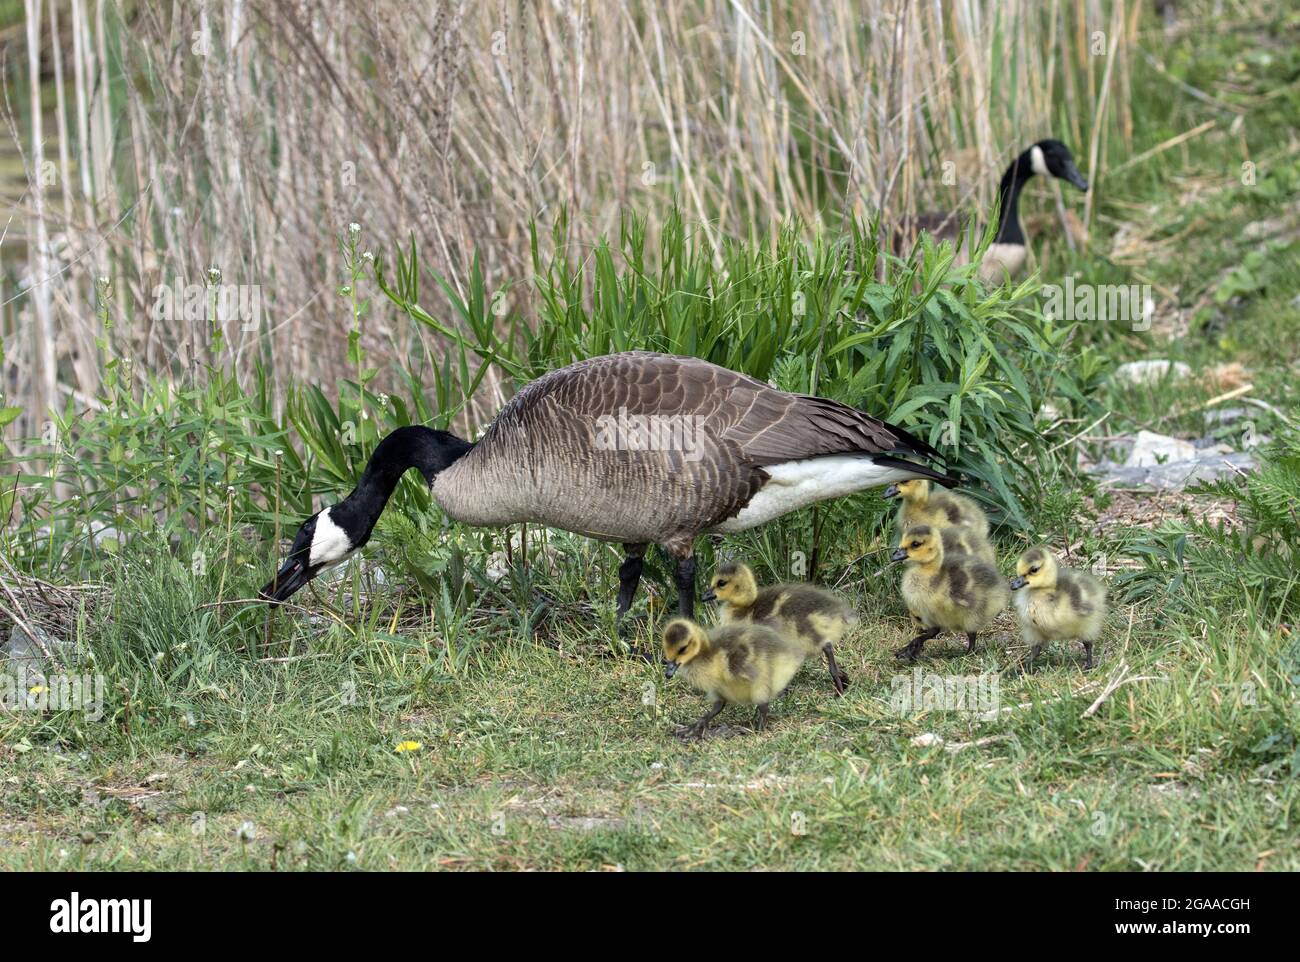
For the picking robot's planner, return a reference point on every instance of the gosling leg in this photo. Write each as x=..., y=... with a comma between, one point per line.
x=912, y=649
x=1034, y=652
x=697, y=728
x=838, y=678
x=760, y=718
x=1087, y=655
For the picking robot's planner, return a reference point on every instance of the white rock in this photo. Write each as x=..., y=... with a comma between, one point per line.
x=1151, y=372
x=1151, y=449
x=928, y=740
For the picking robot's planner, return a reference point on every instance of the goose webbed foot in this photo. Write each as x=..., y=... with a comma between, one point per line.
x=839, y=680
x=696, y=730
x=912, y=650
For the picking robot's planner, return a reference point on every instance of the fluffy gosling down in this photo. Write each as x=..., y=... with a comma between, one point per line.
x=1054, y=602
x=964, y=523
x=739, y=663
x=946, y=592
x=814, y=618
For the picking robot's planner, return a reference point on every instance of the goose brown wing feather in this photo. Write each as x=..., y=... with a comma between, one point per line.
x=740, y=426
x=746, y=421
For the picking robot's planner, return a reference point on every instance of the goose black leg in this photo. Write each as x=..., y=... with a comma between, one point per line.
x=912, y=649
x=970, y=641
x=760, y=718
x=1087, y=655
x=697, y=728
x=686, y=586
x=1034, y=652
x=629, y=576
x=838, y=678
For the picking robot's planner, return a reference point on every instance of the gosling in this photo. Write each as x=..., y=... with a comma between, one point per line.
x=1054, y=602
x=814, y=618
x=737, y=663
x=958, y=592
x=922, y=504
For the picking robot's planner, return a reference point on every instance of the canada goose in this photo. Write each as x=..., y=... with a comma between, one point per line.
x=963, y=524
x=636, y=448
x=804, y=613
x=946, y=592
x=1056, y=602
x=1006, y=255
x=737, y=663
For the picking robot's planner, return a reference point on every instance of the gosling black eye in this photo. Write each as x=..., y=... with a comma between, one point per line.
x=916, y=544
x=722, y=584
x=1033, y=571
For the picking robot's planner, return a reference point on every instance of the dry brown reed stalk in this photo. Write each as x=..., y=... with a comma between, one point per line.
x=247, y=136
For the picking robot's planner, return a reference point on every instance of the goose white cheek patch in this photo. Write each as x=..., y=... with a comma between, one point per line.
x=1037, y=161
x=330, y=544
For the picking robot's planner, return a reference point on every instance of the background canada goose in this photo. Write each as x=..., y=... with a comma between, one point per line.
x=636, y=448
x=1006, y=255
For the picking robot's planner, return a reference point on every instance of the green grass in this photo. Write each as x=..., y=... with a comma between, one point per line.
x=542, y=753
x=538, y=749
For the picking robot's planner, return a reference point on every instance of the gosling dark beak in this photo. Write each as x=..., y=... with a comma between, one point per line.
x=900, y=554
x=709, y=595
x=670, y=668
x=1077, y=179
x=891, y=491
x=1018, y=582
x=287, y=580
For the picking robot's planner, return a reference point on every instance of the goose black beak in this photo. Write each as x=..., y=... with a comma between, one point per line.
x=891, y=491
x=1077, y=179
x=670, y=668
x=287, y=580
x=1018, y=582
x=709, y=595
x=900, y=554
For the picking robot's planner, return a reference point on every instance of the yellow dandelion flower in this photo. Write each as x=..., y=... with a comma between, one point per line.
x=408, y=746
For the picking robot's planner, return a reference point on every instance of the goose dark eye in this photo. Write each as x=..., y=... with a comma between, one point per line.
x=1033, y=571
x=722, y=584
x=916, y=544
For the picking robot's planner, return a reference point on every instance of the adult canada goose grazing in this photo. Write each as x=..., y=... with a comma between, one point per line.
x=635, y=448
x=1006, y=255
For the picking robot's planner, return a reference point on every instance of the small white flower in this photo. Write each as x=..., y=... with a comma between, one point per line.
x=354, y=228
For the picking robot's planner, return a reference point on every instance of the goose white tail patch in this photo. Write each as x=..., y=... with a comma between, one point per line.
x=797, y=484
x=330, y=544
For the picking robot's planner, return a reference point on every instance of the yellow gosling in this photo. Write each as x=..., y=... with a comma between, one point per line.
x=734, y=664
x=1056, y=603
x=814, y=618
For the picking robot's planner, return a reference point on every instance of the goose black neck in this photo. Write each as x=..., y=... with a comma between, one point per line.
x=418, y=447
x=1013, y=182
